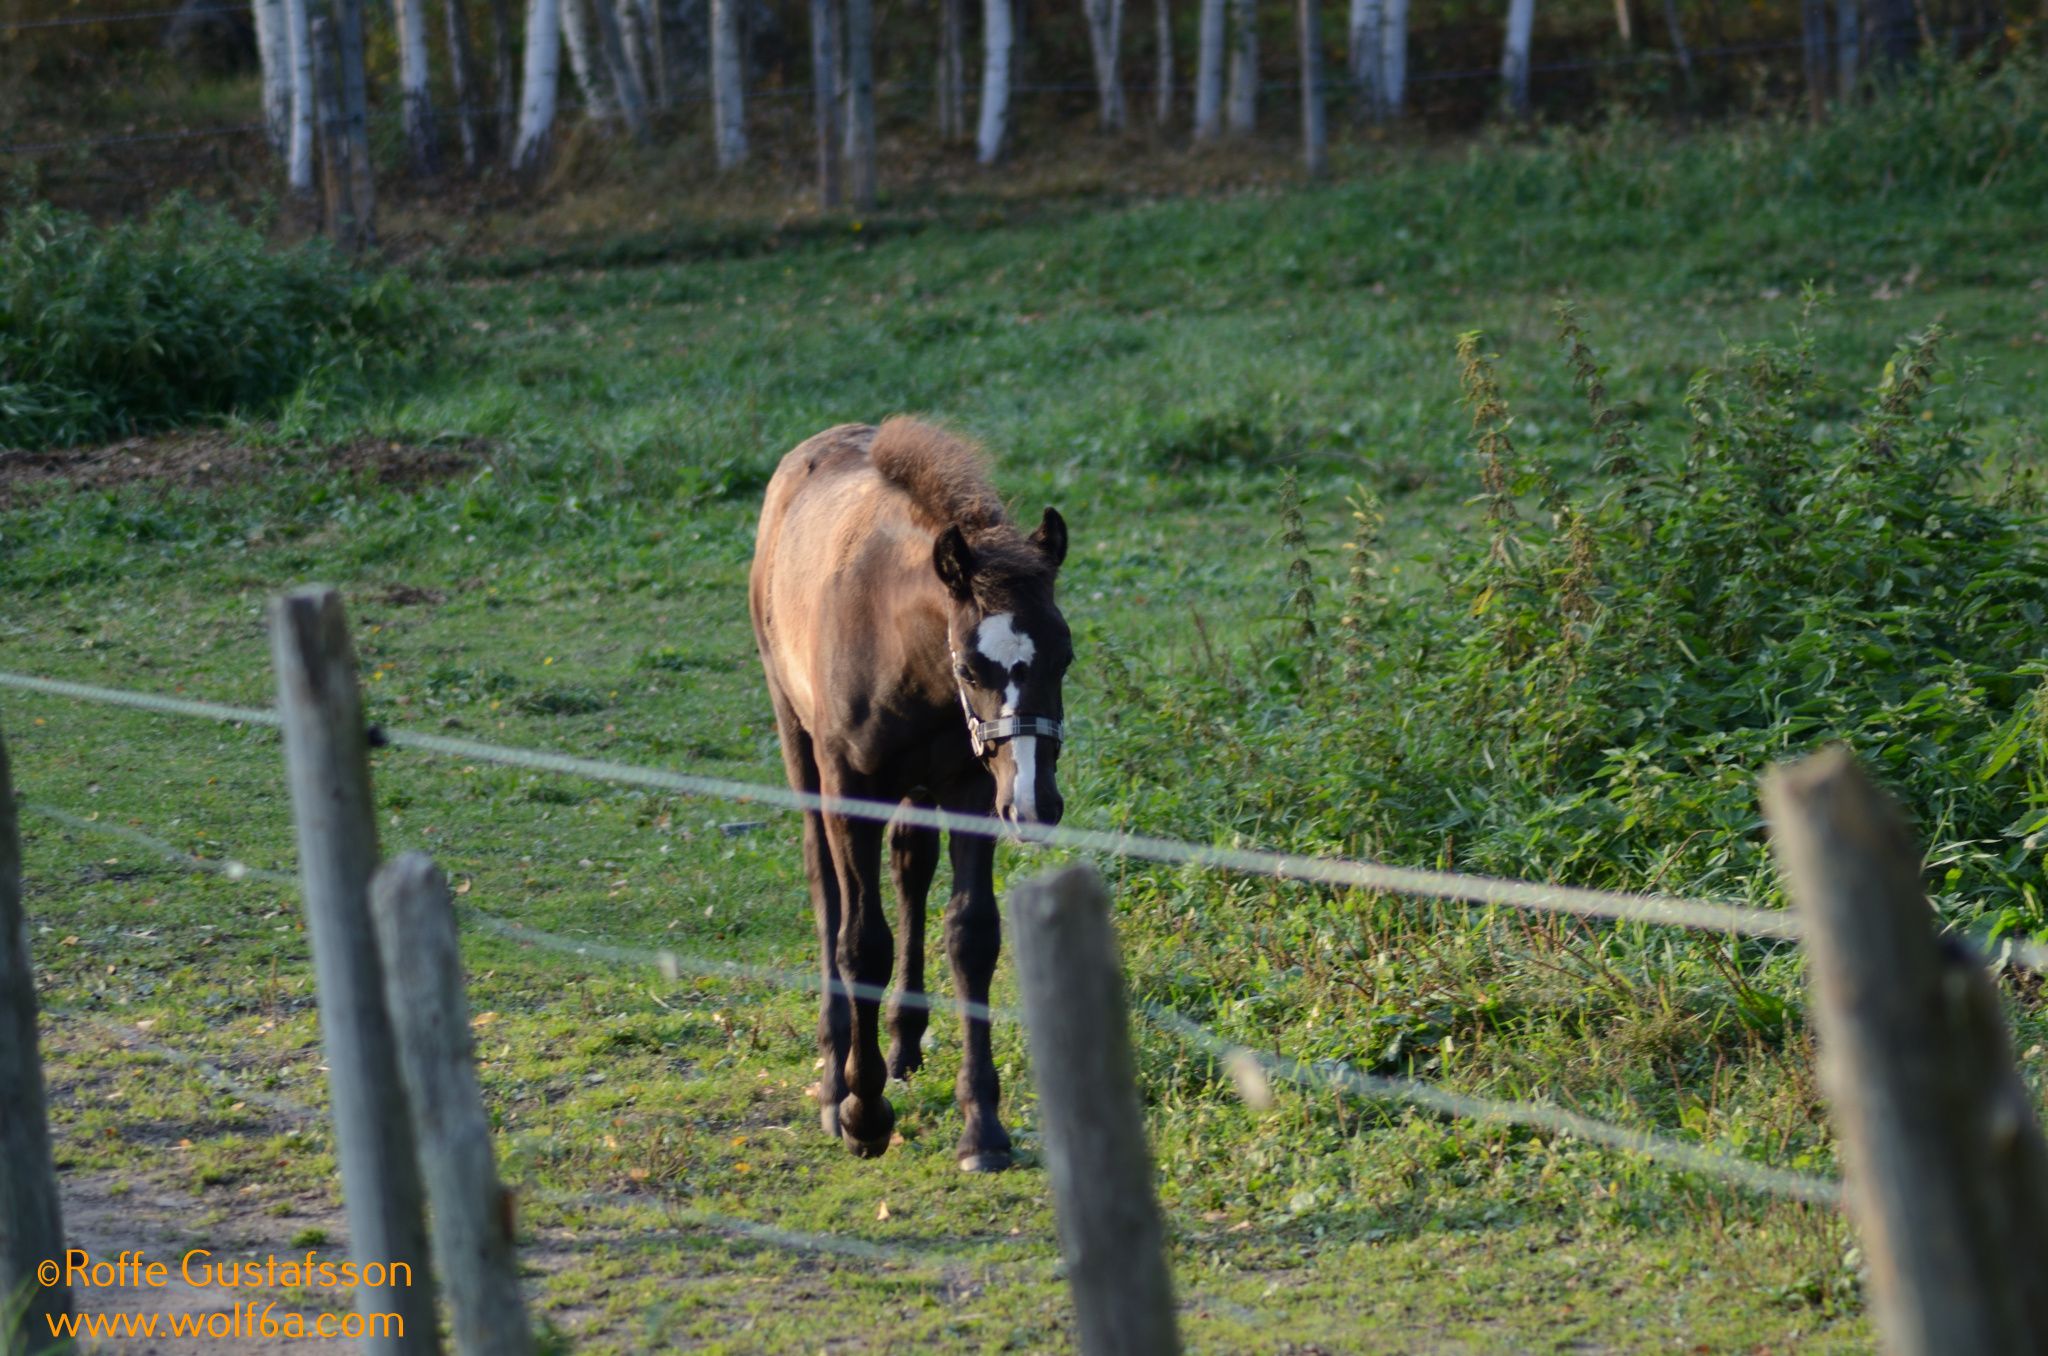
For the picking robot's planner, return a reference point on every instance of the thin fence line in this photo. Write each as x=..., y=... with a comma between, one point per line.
x=229, y=867
x=1326, y=1073
x=1342, y=1077
x=1332, y=872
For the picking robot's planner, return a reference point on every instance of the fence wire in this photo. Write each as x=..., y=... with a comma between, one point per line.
x=1252, y=1068
x=1338, y=873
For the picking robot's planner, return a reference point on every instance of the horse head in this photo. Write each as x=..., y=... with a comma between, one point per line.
x=1010, y=651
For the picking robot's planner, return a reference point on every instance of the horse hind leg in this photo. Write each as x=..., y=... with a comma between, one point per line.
x=913, y=860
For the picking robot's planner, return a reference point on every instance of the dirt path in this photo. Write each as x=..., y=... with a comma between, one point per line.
x=107, y=1215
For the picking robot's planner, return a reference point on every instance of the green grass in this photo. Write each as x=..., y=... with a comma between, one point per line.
x=1151, y=369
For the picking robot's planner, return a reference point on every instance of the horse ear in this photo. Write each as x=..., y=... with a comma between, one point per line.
x=1051, y=537
x=953, y=558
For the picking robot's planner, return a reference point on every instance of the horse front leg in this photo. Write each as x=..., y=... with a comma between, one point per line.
x=973, y=942
x=913, y=860
x=865, y=1116
x=835, y=1015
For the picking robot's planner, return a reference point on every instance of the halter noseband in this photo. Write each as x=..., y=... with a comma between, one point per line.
x=984, y=735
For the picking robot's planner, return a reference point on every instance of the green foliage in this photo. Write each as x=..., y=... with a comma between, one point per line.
x=182, y=316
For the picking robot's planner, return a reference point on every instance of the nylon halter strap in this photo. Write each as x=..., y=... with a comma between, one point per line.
x=984, y=735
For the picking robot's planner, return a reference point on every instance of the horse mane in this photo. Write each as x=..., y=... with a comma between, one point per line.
x=945, y=475
x=946, y=478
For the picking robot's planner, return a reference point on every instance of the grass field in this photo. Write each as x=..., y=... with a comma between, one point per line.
x=571, y=578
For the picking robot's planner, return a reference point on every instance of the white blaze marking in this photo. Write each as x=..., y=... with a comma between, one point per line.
x=998, y=638
x=1024, y=793
x=1010, y=700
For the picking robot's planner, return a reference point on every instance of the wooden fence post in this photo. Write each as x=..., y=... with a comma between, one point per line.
x=31, y=1218
x=1090, y=1118
x=337, y=149
x=424, y=993
x=1947, y=1173
x=327, y=757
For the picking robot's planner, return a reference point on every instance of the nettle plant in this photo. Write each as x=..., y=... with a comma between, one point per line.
x=1637, y=651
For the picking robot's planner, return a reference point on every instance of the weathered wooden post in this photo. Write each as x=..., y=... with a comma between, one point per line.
x=31, y=1220
x=327, y=757
x=338, y=176
x=424, y=993
x=1946, y=1170
x=1090, y=1118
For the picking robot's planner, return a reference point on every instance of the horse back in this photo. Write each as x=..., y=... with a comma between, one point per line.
x=842, y=590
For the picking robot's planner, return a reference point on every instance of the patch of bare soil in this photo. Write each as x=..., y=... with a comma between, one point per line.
x=211, y=458
x=106, y=1215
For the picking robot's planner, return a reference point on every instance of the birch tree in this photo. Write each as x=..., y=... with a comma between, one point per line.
x=1514, y=56
x=462, y=80
x=995, y=80
x=1162, y=81
x=355, y=117
x=631, y=93
x=1813, y=26
x=1105, y=42
x=1679, y=47
x=952, y=69
x=1209, y=40
x=298, y=174
x=542, y=74
x=825, y=96
x=505, y=71
x=1363, y=34
x=1244, y=66
x=579, y=38
x=1394, y=57
x=415, y=89
x=273, y=55
x=860, y=102
x=728, y=90
x=1315, y=137
x=1848, y=47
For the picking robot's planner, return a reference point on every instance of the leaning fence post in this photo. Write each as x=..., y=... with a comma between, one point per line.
x=1090, y=1119
x=423, y=991
x=1947, y=1173
x=31, y=1218
x=327, y=757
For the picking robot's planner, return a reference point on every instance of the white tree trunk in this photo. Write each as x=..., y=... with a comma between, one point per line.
x=1394, y=56
x=299, y=151
x=626, y=83
x=1162, y=84
x=579, y=36
x=1363, y=33
x=1514, y=56
x=1315, y=137
x=273, y=53
x=543, y=72
x=1244, y=66
x=1624, y=24
x=415, y=88
x=1105, y=42
x=728, y=89
x=995, y=80
x=1209, y=71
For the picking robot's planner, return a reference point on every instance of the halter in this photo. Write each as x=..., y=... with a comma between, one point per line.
x=984, y=735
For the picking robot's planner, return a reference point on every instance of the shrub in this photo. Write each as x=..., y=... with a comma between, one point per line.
x=187, y=314
x=1609, y=665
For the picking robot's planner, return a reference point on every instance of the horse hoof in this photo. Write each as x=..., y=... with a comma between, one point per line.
x=864, y=1148
x=986, y=1161
x=904, y=1063
x=877, y=1118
